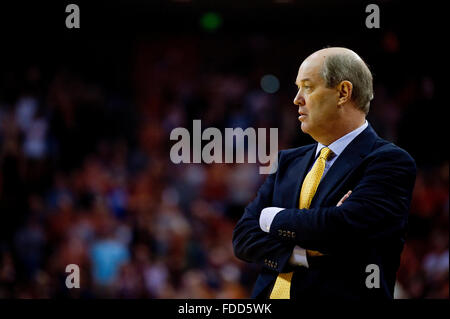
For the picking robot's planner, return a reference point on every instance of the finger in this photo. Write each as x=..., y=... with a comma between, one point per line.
x=346, y=195
x=344, y=198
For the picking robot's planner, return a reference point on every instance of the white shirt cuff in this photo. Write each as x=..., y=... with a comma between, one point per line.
x=298, y=257
x=267, y=216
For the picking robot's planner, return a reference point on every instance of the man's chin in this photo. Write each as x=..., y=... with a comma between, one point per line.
x=304, y=127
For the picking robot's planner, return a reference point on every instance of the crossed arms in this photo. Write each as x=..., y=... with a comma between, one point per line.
x=376, y=211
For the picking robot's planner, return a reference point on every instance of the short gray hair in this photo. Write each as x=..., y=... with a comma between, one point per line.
x=349, y=67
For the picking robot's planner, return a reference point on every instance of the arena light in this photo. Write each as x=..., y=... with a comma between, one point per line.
x=210, y=21
x=270, y=83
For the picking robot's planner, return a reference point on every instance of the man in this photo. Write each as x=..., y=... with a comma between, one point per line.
x=331, y=221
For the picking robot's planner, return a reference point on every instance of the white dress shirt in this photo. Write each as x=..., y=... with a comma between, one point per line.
x=268, y=214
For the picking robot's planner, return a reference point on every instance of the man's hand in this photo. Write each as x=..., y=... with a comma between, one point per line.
x=344, y=198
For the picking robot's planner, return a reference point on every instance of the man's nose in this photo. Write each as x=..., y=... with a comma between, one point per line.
x=299, y=100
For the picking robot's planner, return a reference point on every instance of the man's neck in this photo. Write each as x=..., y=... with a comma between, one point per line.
x=340, y=131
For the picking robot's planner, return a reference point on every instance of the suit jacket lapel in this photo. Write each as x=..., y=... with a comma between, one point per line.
x=350, y=158
x=301, y=167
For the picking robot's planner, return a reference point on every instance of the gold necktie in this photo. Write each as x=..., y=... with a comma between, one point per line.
x=282, y=286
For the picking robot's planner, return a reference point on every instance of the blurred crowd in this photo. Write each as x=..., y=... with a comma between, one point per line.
x=86, y=178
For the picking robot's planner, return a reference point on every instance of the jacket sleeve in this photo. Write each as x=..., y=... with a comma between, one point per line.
x=250, y=243
x=376, y=210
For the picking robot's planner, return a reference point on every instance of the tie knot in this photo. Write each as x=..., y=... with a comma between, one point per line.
x=325, y=153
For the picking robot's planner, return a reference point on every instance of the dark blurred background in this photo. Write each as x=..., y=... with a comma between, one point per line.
x=86, y=114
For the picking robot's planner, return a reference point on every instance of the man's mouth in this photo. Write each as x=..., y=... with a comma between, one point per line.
x=302, y=115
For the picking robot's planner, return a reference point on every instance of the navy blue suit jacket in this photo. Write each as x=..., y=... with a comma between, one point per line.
x=368, y=228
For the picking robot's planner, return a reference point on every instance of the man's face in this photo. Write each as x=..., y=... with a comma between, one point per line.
x=317, y=104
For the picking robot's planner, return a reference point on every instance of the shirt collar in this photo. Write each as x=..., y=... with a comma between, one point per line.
x=338, y=146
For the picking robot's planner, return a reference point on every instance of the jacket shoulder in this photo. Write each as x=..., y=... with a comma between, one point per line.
x=388, y=149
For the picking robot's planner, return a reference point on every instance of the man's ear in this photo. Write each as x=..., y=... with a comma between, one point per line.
x=345, y=89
